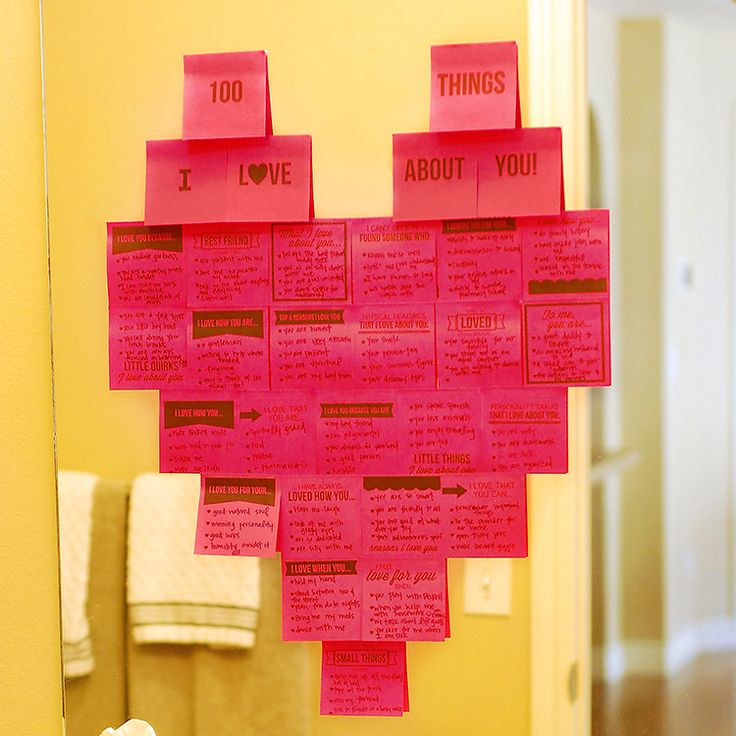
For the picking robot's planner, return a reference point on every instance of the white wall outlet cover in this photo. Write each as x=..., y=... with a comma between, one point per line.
x=488, y=587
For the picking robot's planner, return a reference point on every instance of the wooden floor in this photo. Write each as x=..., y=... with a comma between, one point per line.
x=699, y=701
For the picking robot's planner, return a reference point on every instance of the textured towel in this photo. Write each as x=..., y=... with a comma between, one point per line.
x=75, y=535
x=174, y=595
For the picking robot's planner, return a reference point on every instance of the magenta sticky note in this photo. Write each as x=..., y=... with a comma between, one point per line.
x=147, y=347
x=393, y=261
x=404, y=599
x=145, y=265
x=485, y=516
x=185, y=182
x=435, y=176
x=358, y=432
x=310, y=261
x=321, y=600
x=361, y=678
x=227, y=264
x=237, y=516
x=402, y=516
x=197, y=433
x=520, y=172
x=474, y=86
x=276, y=433
x=226, y=95
x=566, y=257
x=405, y=704
x=268, y=179
x=395, y=346
x=479, y=344
x=321, y=517
x=447, y=613
x=312, y=346
x=567, y=343
x=228, y=349
x=525, y=430
x=443, y=432
x=479, y=259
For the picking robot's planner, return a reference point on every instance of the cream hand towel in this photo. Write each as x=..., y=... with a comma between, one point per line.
x=174, y=595
x=133, y=727
x=76, y=491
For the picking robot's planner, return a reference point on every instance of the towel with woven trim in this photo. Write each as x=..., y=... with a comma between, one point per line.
x=76, y=492
x=175, y=596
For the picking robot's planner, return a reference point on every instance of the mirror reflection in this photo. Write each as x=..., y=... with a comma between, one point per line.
x=113, y=81
x=662, y=140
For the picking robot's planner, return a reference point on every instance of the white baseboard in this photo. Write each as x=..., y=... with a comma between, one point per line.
x=712, y=635
x=658, y=657
x=609, y=663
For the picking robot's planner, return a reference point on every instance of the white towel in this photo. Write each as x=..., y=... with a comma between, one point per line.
x=75, y=539
x=133, y=727
x=174, y=595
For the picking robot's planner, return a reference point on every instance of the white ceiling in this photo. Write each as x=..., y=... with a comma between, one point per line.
x=724, y=9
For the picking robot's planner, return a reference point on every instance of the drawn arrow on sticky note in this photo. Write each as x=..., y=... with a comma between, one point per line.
x=253, y=414
x=457, y=490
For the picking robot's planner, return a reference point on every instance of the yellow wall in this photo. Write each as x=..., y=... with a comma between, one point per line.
x=30, y=676
x=640, y=96
x=348, y=73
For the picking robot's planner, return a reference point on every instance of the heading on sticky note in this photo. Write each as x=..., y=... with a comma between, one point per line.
x=237, y=180
x=226, y=95
x=475, y=86
x=489, y=173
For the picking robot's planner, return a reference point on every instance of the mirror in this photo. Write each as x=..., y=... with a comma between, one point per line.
x=341, y=73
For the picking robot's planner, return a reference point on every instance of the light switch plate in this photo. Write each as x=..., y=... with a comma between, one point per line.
x=488, y=587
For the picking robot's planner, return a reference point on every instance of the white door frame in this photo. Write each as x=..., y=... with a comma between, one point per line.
x=559, y=506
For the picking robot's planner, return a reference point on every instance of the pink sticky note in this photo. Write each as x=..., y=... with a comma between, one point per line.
x=276, y=433
x=312, y=347
x=404, y=599
x=394, y=346
x=359, y=432
x=393, y=261
x=197, y=433
x=567, y=343
x=479, y=260
x=402, y=516
x=520, y=172
x=525, y=430
x=479, y=344
x=566, y=257
x=443, y=431
x=475, y=86
x=147, y=347
x=485, y=516
x=226, y=95
x=228, y=349
x=405, y=705
x=310, y=261
x=237, y=516
x=435, y=176
x=227, y=265
x=321, y=517
x=185, y=182
x=268, y=179
x=447, y=612
x=361, y=678
x=320, y=600
x=145, y=265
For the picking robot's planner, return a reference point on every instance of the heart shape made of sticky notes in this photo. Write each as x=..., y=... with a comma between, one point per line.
x=257, y=173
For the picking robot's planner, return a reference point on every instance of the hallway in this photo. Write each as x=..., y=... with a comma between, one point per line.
x=699, y=701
